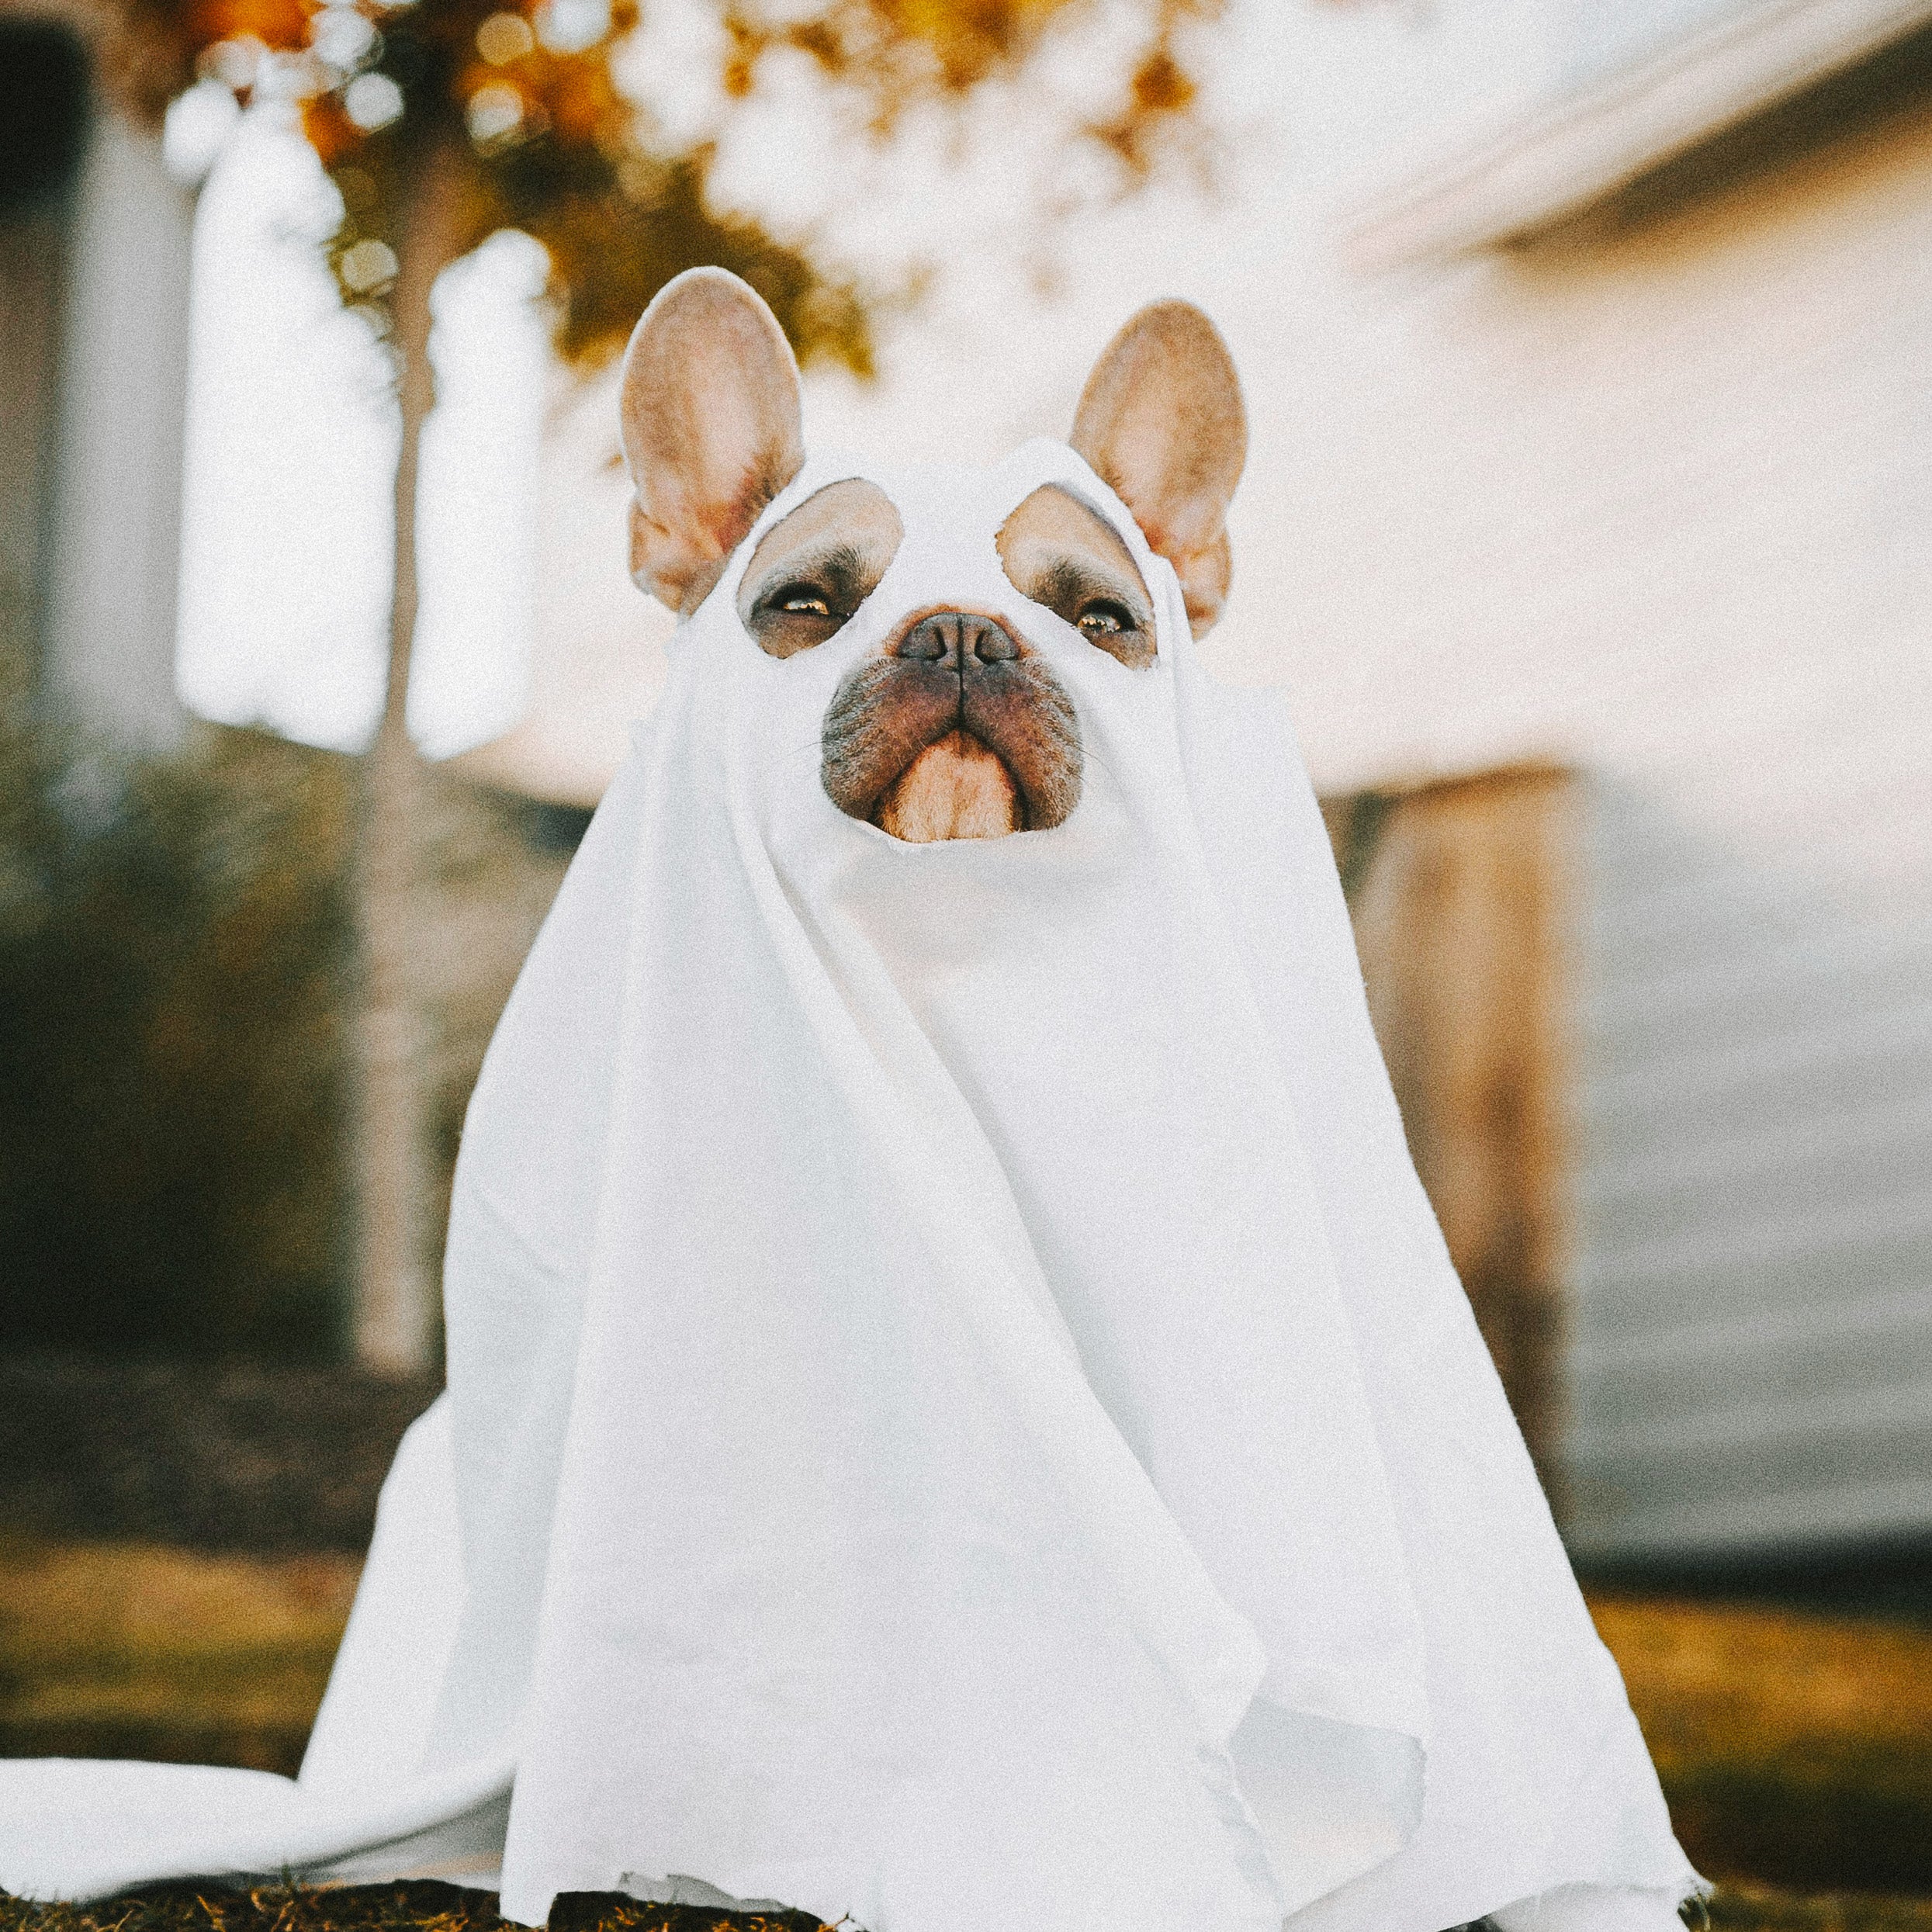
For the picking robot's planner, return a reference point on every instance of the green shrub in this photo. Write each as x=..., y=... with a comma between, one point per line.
x=175, y=941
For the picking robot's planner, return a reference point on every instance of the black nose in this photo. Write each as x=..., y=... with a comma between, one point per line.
x=948, y=637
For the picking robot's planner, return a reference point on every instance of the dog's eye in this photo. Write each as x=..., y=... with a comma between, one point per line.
x=796, y=613
x=1105, y=619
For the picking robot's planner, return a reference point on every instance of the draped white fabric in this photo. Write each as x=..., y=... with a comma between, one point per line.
x=959, y=1414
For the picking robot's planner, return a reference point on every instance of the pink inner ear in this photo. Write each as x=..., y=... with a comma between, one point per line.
x=1161, y=419
x=1179, y=510
x=711, y=427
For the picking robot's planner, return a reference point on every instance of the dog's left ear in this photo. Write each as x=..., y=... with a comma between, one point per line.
x=709, y=411
x=1161, y=422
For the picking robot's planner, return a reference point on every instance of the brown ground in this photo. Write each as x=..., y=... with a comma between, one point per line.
x=259, y=1459
x=441, y=1908
x=370, y=1908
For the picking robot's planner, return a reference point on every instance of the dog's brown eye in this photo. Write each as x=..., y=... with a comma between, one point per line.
x=1105, y=619
x=800, y=600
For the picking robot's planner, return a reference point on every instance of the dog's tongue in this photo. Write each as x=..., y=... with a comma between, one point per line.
x=955, y=788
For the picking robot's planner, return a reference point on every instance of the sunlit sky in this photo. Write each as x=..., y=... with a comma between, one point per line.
x=292, y=443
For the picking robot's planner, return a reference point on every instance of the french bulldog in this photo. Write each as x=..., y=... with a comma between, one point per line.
x=955, y=728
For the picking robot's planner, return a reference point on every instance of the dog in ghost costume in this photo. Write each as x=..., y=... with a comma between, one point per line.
x=959, y=1414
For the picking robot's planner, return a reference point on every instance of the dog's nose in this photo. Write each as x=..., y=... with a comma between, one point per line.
x=950, y=637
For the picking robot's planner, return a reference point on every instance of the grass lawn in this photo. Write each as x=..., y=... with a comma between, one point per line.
x=125, y=1650
x=1796, y=1750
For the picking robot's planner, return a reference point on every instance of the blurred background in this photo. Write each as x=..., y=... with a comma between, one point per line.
x=1587, y=523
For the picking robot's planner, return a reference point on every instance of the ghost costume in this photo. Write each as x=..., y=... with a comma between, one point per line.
x=960, y=1417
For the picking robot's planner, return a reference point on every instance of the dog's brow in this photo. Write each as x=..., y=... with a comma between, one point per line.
x=1061, y=548
x=846, y=557
x=1070, y=577
x=838, y=558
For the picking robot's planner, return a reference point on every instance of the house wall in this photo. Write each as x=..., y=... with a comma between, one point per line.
x=1459, y=896
x=1651, y=497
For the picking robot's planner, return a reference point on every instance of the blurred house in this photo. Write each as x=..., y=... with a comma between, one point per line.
x=1589, y=522
x=94, y=264
x=1602, y=350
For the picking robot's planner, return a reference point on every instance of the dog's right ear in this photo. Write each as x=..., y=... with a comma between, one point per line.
x=709, y=409
x=1161, y=422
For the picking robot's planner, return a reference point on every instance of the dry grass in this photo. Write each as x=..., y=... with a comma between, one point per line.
x=1750, y=1907
x=1796, y=1750
x=116, y=1650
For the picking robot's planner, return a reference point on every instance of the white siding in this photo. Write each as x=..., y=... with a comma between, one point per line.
x=1653, y=497
x=1752, y=1347
x=1657, y=500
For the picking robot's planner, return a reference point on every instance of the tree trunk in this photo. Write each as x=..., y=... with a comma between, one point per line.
x=395, y=1306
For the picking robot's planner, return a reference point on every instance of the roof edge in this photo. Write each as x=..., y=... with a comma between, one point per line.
x=1584, y=146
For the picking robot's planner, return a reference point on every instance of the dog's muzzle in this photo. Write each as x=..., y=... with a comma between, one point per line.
x=960, y=684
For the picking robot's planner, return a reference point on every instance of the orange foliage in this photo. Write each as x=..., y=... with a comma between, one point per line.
x=564, y=155
x=281, y=24
x=891, y=55
x=330, y=131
